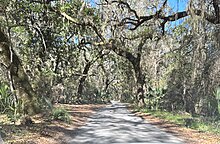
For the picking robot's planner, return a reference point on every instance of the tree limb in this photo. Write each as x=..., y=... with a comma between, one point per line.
x=120, y=2
x=173, y=17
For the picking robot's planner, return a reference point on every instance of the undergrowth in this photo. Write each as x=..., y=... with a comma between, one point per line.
x=60, y=114
x=186, y=120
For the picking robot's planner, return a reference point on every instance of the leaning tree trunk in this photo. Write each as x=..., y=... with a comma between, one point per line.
x=85, y=74
x=136, y=63
x=18, y=76
x=82, y=81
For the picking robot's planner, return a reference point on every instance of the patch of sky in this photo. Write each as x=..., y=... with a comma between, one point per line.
x=178, y=6
x=92, y=3
x=76, y=40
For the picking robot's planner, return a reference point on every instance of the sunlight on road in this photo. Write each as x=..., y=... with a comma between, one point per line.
x=115, y=124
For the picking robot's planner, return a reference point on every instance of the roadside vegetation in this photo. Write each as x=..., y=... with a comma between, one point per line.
x=183, y=119
x=47, y=127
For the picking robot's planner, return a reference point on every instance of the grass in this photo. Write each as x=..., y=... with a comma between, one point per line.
x=206, y=126
x=185, y=120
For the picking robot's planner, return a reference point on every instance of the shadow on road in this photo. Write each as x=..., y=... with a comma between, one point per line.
x=115, y=124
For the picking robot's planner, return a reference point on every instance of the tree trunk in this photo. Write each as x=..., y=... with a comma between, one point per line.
x=140, y=80
x=82, y=81
x=135, y=61
x=22, y=86
x=190, y=108
x=85, y=73
x=190, y=105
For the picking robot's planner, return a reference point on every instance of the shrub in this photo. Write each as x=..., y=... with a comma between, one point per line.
x=6, y=101
x=60, y=114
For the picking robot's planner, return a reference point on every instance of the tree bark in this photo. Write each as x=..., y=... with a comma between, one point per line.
x=85, y=74
x=22, y=86
x=140, y=80
x=190, y=103
x=82, y=81
x=135, y=61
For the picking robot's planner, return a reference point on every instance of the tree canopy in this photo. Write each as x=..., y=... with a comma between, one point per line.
x=76, y=51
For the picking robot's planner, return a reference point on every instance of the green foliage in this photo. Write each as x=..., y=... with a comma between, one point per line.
x=92, y=94
x=172, y=117
x=217, y=96
x=60, y=114
x=185, y=119
x=13, y=117
x=6, y=99
x=126, y=97
x=154, y=98
x=44, y=103
x=217, y=93
x=8, y=105
x=53, y=49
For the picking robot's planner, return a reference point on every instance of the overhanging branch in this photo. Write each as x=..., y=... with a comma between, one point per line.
x=139, y=20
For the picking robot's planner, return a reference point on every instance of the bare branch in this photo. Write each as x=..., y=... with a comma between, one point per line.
x=120, y=2
x=175, y=16
x=178, y=15
x=77, y=22
x=42, y=36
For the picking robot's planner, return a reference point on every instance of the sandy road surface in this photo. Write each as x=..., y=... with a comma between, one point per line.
x=114, y=124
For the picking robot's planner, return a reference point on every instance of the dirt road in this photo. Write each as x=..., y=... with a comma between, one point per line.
x=114, y=124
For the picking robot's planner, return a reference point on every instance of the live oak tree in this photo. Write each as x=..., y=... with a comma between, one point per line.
x=134, y=20
x=113, y=47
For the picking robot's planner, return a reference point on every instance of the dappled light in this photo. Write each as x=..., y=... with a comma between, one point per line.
x=115, y=124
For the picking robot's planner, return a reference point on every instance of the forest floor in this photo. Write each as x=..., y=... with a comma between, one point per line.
x=53, y=132
x=44, y=131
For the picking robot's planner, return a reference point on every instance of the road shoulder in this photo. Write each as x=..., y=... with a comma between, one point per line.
x=49, y=132
x=189, y=135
